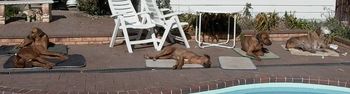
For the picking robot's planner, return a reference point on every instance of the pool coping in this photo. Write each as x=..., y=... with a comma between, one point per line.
x=281, y=87
x=211, y=85
x=199, y=87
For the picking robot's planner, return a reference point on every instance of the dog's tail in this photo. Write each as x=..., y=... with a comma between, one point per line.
x=286, y=48
x=171, y=44
x=207, y=56
x=287, y=45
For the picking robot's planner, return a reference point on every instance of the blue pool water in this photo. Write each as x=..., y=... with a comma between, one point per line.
x=280, y=88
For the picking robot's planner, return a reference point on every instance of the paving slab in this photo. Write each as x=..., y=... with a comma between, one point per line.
x=266, y=56
x=168, y=63
x=243, y=63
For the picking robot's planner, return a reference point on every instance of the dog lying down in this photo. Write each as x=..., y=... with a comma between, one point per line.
x=325, y=52
x=254, y=45
x=312, y=43
x=34, y=49
x=168, y=63
x=182, y=56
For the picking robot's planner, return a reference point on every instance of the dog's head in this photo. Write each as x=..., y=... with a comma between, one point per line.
x=323, y=31
x=205, y=60
x=263, y=37
x=36, y=33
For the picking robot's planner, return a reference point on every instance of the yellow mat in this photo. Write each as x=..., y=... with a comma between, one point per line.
x=306, y=53
x=269, y=55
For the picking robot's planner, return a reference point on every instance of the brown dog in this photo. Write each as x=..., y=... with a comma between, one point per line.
x=39, y=41
x=35, y=45
x=312, y=42
x=182, y=56
x=28, y=57
x=254, y=45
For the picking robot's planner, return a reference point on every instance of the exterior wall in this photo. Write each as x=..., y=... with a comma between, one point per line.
x=307, y=9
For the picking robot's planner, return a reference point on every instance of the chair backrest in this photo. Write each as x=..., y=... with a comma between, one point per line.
x=151, y=6
x=126, y=8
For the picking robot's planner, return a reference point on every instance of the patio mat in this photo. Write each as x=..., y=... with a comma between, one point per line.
x=10, y=49
x=168, y=63
x=228, y=62
x=306, y=53
x=73, y=61
x=269, y=55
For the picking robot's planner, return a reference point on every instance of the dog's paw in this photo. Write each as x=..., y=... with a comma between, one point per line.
x=146, y=57
x=323, y=50
x=312, y=51
x=64, y=58
x=49, y=66
x=258, y=59
x=265, y=50
x=174, y=67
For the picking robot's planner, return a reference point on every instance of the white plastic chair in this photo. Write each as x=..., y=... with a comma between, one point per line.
x=126, y=17
x=167, y=21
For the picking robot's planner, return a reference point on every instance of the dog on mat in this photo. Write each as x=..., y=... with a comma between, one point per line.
x=36, y=45
x=312, y=42
x=254, y=45
x=182, y=56
x=28, y=57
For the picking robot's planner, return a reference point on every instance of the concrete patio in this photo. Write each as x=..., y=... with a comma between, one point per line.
x=115, y=71
x=125, y=72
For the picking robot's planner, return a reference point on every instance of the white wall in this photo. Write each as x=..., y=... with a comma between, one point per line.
x=307, y=9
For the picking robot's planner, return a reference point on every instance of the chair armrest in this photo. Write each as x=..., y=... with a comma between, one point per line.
x=121, y=14
x=143, y=12
x=116, y=15
x=171, y=14
x=164, y=9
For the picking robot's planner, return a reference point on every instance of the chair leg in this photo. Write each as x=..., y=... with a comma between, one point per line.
x=154, y=38
x=114, y=35
x=183, y=35
x=139, y=34
x=127, y=40
x=171, y=37
x=164, y=36
x=149, y=33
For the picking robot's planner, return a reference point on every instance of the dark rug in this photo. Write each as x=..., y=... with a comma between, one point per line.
x=73, y=61
x=11, y=49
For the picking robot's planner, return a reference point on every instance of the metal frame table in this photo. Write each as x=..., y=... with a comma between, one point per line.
x=202, y=44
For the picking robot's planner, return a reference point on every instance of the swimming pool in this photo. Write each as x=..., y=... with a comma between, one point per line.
x=280, y=88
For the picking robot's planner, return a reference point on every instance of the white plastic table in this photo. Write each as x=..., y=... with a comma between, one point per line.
x=225, y=44
x=210, y=6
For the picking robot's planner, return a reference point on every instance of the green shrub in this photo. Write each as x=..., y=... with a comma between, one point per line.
x=337, y=28
x=163, y=3
x=11, y=11
x=245, y=20
x=246, y=10
x=94, y=7
x=101, y=7
x=266, y=21
x=293, y=22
